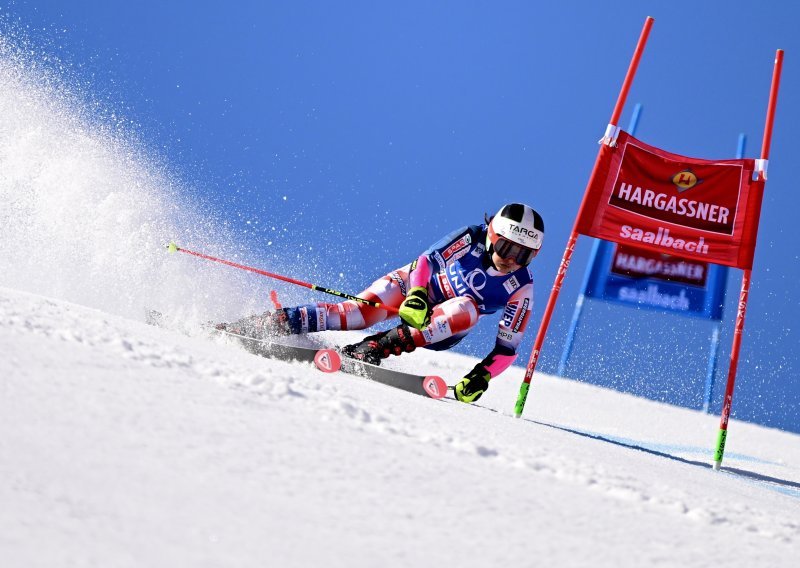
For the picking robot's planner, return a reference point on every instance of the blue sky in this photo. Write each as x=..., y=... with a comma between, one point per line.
x=377, y=127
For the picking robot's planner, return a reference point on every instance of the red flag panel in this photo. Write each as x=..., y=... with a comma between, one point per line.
x=702, y=209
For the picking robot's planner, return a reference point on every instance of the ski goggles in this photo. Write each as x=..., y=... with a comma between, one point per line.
x=518, y=253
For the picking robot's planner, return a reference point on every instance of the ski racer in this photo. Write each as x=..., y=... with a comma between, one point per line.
x=474, y=271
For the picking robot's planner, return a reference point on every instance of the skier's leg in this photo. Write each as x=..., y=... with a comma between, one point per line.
x=389, y=289
x=450, y=322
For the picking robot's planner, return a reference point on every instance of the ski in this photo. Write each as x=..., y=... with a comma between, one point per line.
x=429, y=385
x=272, y=350
x=326, y=360
x=330, y=361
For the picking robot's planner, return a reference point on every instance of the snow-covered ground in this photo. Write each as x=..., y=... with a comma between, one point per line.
x=127, y=445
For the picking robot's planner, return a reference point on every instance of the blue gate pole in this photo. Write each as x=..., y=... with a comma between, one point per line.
x=713, y=357
x=576, y=315
x=712, y=369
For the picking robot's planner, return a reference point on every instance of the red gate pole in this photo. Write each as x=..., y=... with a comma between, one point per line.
x=738, y=330
x=610, y=140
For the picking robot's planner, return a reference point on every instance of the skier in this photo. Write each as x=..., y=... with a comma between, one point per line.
x=474, y=271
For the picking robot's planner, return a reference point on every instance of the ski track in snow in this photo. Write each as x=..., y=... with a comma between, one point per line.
x=573, y=437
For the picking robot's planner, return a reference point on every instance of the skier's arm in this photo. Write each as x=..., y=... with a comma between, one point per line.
x=420, y=272
x=509, y=335
x=416, y=308
x=510, y=331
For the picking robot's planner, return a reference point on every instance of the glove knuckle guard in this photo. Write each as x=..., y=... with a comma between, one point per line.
x=471, y=387
x=414, y=310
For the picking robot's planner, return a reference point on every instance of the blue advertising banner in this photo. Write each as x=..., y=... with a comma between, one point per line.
x=647, y=279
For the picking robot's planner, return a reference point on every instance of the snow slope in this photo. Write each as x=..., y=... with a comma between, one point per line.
x=127, y=445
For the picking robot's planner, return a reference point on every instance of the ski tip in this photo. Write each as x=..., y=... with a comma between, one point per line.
x=434, y=386
x=172, y=247
x=327, y=360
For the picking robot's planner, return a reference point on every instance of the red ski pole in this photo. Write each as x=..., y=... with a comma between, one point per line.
x=172, y=247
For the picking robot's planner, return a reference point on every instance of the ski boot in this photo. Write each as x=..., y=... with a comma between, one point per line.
x=376, y=347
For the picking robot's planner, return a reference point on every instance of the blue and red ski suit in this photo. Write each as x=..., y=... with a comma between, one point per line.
x=462, y=286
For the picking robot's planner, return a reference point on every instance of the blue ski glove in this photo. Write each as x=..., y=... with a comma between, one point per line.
x=415, y=309
x=471, y=387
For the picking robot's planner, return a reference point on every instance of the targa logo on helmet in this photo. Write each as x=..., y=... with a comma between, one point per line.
x=522, y=231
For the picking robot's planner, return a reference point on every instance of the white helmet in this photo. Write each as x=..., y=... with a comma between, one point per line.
x=517, y=232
